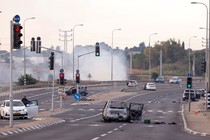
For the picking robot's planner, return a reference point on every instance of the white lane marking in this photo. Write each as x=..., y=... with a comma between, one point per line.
x=95, y=138
x=170, y=111
x=115, y=129
x=160, y=111
x=103, y=135
x=85, y=117
x=149, y=110
x=109, y=132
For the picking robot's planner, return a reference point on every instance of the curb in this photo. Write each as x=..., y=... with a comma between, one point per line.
x=20, y=130
x=188, y=130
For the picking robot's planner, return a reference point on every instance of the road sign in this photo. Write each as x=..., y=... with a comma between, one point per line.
x=16, y=18
x=77, y=96
x=189, y=74
x=60, y=91
x=61, y=70
x=77, y=71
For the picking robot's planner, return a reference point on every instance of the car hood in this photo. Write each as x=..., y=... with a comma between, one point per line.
x=15, y=108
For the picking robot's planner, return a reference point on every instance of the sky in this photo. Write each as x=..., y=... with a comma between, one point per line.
x=137, y=19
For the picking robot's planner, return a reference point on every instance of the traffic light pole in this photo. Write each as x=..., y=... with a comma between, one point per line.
x=53, y=87
x=81, y=56
x=11, y=77
x=78, y=65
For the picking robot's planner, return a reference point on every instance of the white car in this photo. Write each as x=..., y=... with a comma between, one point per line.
x=175, y=80
x=19, y=109
x=150, y=86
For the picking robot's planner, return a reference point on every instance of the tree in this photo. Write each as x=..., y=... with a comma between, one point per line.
x=29, y=80
x=89, y=76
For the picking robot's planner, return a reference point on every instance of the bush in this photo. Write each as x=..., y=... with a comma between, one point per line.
x=29, y=80
x=154, y=75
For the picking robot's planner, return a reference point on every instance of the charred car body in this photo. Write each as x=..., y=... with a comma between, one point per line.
x=119, y=111
x=73, y=90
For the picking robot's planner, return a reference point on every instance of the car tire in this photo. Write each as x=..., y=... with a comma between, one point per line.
x=83, y=93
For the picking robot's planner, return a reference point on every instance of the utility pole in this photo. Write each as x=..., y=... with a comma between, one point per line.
x=161, y=66
x=65, y=38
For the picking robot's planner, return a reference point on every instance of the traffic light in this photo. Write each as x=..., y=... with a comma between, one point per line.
x=38, y=45
x=77, y=78
x=32, y=44
x=61, y=79
x=17, y=35
x=203, y=66
x=51, y=61
x=189, y=82
x=97, y=50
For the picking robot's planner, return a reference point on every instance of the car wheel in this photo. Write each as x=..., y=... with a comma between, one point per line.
x=83, y=93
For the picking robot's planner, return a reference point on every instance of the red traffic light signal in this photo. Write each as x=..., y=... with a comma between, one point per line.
x=77, y=78
x=62, y=79
x=17, y=36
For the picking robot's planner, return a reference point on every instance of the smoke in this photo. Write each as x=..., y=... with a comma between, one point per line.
x=99, y=68
x=90, y=66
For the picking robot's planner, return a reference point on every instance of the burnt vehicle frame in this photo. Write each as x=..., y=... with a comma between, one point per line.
x=121, y=112
x=73, y=90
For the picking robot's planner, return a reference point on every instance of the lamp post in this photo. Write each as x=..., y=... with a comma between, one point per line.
x=24, y=53
x=149, y=55
x=112, y=53
x=207, y=80
x=73, y=43
x=189, y=53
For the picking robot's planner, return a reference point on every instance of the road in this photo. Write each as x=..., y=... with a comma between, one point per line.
x=83, y=121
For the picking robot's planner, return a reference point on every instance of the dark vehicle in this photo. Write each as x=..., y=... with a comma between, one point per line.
x=160, y=79
x=192, y=94
x=73, y=90
x=118, y=111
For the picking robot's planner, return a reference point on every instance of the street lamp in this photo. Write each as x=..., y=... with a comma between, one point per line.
x=189, y=53
x=24, y=53
x=150, y=56
x=207, y=52
x=112, y=53
x=73, y=43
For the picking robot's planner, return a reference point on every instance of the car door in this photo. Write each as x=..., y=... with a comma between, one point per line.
x=32, y=108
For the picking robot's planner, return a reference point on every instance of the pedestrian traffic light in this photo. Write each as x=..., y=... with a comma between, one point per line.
x=97, y=50
x=17, y=35
x=61, y=79
x=189, y=82
x=51, y=61
x=77, y=78
x=32, y=44
x=203, y=66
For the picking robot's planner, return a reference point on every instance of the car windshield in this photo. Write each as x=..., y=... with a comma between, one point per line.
x=115, y=104
x=15, y=103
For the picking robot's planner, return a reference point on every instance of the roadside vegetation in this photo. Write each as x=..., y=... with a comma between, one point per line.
x=175, y=58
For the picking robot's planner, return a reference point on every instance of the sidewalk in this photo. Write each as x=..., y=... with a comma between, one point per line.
x=197, y=120
x=45, y=119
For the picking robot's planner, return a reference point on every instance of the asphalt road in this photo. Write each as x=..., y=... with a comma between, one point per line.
x=83, y=122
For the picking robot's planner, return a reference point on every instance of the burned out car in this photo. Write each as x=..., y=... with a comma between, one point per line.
x=73, y=90
x=119, y=111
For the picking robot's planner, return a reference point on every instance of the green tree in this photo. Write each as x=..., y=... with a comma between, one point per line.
x=29, y=80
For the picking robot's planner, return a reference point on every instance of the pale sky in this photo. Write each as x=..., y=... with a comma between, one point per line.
x=178, y=19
